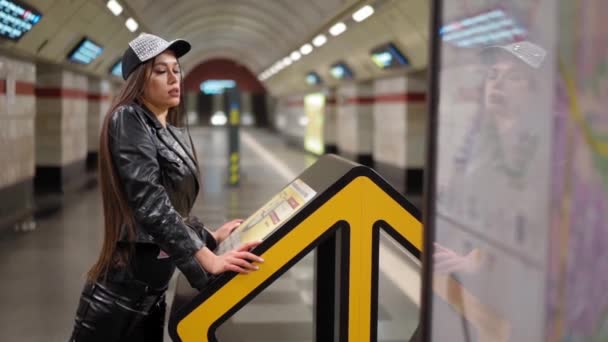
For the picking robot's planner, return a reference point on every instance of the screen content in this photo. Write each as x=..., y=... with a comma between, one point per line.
x=312, y=78
x=116, y=70
x=341, y=71
x=214, y=87
x=269, y=217
x=17, y=19
x=521, y=197
x=388, y=56
x=85, y=52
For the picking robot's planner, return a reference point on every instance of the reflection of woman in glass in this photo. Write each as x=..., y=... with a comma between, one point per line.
x=499, y=155
x=490, y=196
x=506, y=136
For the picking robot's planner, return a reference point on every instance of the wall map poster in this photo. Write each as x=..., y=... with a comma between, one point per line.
x=577, y=294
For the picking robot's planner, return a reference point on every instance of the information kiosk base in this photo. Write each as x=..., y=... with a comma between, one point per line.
x=336, y=206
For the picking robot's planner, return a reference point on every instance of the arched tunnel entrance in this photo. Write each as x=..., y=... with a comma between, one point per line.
x=205, y=100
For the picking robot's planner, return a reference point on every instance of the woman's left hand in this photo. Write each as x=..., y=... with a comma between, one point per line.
x=226, y=229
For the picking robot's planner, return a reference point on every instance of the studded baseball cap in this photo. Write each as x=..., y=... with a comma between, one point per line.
x=529, y=53
x=147, y=46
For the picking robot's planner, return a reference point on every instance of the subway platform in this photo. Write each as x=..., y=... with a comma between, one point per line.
x=44, y=269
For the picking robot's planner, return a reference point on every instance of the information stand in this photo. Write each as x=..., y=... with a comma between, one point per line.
x=336, y=206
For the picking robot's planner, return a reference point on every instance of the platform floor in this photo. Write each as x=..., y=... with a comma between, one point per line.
x=43, y=270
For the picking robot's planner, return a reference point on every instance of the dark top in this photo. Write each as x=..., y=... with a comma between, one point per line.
x=159, y=176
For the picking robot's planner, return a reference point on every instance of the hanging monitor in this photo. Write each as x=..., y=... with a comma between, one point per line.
x=388, y=56
x=215, y=87
x=341, y=71
x=116, y=69
x=312, y=78
x=17, y=19
x=85, y=52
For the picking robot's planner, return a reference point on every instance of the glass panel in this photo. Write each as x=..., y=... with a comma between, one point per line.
x=398, y=291
x=282, y=312
x=522, y=182
x=493, y=191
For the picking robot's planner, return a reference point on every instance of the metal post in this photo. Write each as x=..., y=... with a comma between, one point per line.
x=232, y=98
x=331, y=288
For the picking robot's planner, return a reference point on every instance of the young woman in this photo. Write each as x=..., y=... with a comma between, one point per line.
x=149, y=180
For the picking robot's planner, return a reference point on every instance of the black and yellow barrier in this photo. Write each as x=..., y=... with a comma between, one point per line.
x=343, y=215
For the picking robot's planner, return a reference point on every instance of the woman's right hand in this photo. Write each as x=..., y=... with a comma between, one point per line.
x=447, y=261
x=239, y=260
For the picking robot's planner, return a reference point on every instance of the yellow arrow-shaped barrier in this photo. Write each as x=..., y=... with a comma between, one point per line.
x=360, y=204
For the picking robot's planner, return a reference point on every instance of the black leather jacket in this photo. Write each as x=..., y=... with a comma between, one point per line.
x=159, y=176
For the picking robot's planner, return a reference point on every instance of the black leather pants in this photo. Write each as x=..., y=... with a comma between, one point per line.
x=113, y=313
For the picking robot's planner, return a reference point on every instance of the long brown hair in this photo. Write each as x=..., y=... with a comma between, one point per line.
x=116, y=211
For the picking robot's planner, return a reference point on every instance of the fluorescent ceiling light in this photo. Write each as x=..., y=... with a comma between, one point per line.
x=114, y=7
x=131, y=24
x=295, y=56
x=306, y=49
x=319, y=40
x=287, y=61
x=337, y=29
x=363, y=13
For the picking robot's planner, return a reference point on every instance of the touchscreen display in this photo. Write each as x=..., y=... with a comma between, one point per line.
x=269, y=217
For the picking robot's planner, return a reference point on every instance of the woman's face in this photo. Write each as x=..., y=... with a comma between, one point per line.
x=507, y=89
x=162, y=87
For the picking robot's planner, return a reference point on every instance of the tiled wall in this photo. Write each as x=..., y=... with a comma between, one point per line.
x=330, y=125
x=400, y=121
x=355, y=119
x=61, y=122
x=290, y=111
x=17, y=114
x=380, y=123
x=98, y=104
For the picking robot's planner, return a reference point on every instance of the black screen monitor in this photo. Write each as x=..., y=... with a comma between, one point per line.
x=388, y=56
x=341, y=71
x=17, y=19
x=312, y=78
x=85, y=52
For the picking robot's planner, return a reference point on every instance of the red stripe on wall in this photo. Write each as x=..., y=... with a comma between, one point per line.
x=295, y=103
x=388, y=98
x=98, y=97
x=25, y=88
x=61, y=93
x=410, y=97
x=28, y=88
x=406, y=97
x=21, y=88
x=360, y=100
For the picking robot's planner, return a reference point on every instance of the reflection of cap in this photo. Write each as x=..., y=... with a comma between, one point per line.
x=526, y=52
x=147, y=46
